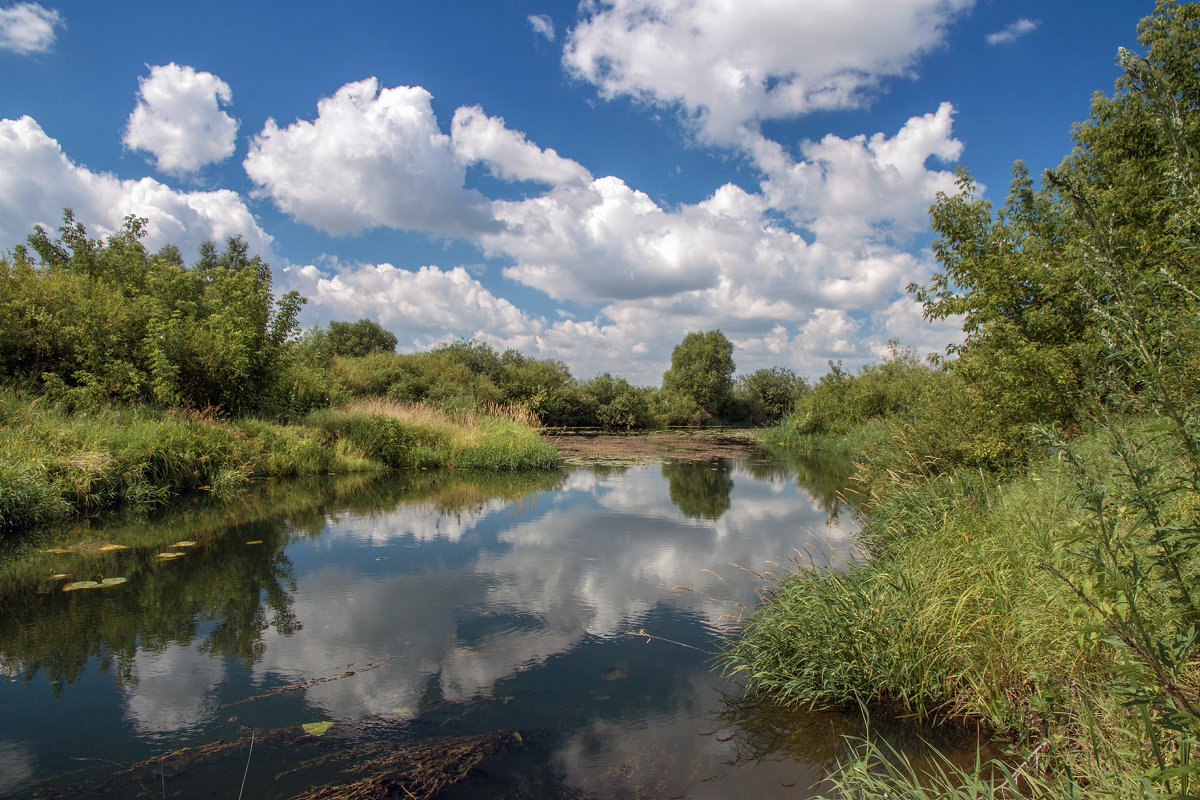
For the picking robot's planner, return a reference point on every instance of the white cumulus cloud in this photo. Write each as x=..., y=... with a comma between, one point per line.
x=179, y=119
x=28, y=28
x=420, y=305
x=726, y=63
x=1013, y=31
x=860, y=201
x=372, y=158
x=507, y=153
x=857, y=191
x=37, y=181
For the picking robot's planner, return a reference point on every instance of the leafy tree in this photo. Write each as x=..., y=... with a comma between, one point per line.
x=360, y=338
x=479, y=357
x=1027, y=277
x=615, y=404
x=702, y=368
x=766, y=395
x=533, y=383
x=104, y=319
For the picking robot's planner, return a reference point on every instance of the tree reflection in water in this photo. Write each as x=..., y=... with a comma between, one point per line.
x=223, y=593
x=700, y=489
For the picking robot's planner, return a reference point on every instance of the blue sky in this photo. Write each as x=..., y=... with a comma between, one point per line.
x=586, y=181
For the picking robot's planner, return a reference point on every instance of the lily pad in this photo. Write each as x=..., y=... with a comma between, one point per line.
x=60, y=576
x=317, y=728
x=108, y=548
x=58, y=550
x=184, y=543
x=254, y=541
x=613, y=674
x=75, y=586
x=168, y=556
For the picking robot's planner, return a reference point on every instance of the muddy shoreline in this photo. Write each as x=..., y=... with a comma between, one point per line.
x=592, y=447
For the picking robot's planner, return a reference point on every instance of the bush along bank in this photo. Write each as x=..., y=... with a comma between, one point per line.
x=1057, y=606
x=56, y=462
x=1032, y=508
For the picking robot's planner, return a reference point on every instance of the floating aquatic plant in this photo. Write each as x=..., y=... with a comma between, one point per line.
x=317, y=728
x=101, y=584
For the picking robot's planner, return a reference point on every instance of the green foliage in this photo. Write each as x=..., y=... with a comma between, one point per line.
x=674, y=408
x=1014, y=277
x=765, y=396
x=105, y=320
x=1056, y=601
x=616, y=404
x=360, y=338
x=702, y=368
x=892, y=390
x=1025, y=276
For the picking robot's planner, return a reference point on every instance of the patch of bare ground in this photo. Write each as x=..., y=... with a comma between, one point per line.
x=591, y=447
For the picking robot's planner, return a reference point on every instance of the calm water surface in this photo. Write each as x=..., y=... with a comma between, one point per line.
x=528, y=632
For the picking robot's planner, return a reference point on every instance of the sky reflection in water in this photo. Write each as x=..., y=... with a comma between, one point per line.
x=550, y=607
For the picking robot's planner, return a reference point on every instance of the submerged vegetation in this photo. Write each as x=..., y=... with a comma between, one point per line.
x=1032, y=504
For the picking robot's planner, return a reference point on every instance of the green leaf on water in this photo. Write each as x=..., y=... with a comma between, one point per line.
x=317, y=728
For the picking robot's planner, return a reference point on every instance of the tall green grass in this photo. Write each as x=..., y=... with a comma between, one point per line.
x=1022, y=604
x=56, y=461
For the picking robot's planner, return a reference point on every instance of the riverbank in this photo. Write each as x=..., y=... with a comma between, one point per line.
x=596, y=448
x=1054, y=605
x=57, y=462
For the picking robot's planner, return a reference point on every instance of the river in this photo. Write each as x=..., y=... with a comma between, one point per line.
x=531, y=635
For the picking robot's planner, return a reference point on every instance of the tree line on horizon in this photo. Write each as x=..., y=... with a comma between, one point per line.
x=102, y=320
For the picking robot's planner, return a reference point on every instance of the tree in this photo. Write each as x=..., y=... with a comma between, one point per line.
x=766, y=395
x=360, y=338
x=104, y=319
x=702, y=368
x=614, y=404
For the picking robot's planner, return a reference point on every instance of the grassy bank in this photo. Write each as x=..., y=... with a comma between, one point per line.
x=1057, y=605
x=56, y=462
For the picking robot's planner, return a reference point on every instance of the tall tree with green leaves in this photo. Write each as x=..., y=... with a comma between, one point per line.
x=1028, y=278
x=702, y=369
x=106, y=319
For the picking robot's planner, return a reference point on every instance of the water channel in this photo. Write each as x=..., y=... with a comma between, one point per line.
x=535, y=635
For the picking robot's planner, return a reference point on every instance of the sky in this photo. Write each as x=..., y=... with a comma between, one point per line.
x=586, y=181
